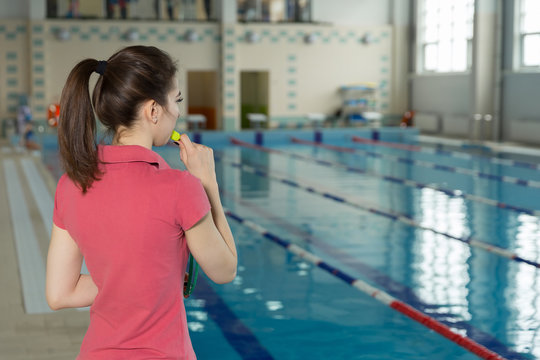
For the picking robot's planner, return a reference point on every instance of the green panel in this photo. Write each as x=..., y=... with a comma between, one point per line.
x=38, y=42
x=38, y=56
x=249, y=108
x=11, y=69
x=11, y=36
x=11, y=55
x=12, y=82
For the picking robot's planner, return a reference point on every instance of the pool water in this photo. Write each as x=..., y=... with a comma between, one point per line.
x=282, y=306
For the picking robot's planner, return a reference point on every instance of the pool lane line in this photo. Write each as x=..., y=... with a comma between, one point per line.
x=391, y=286
x=387, y=214
x=372, y=291
x=394, y=179
x=29, y=257
x=238, y=335
x=427, y=164
x=458, y=154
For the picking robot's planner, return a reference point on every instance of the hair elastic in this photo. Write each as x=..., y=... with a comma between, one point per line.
x=100, y=68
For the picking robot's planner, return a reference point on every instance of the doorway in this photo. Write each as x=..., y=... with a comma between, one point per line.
x=254, y=95
x=202, y=96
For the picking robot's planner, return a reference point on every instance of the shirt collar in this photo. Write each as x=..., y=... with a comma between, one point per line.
x=114, y=154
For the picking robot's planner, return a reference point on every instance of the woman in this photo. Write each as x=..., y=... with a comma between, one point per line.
x=128, y=214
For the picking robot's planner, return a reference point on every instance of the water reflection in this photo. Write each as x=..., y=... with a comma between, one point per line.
x=252, y=185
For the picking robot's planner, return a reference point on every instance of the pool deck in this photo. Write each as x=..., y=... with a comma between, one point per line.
x=39, y=333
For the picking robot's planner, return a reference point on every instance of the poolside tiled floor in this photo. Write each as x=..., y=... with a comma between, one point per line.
x=45, y=336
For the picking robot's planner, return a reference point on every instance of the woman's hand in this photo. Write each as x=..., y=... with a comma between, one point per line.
x=199, y=160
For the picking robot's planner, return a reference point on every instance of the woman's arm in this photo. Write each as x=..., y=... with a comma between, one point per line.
x=210, y=240
x=212, y=244
x=66, y=287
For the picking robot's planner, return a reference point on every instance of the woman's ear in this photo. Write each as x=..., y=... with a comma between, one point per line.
x=151, y=111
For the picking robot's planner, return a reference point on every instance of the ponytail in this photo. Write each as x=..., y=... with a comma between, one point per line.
x=77, y=127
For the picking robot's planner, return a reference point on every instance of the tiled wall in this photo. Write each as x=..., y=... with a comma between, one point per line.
x=14, y=64
x=303, y=77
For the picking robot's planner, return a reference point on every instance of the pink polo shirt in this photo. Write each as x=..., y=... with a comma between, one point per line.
x=130, y=228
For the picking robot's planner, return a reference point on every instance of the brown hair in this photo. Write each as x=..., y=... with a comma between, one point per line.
x=131, y=76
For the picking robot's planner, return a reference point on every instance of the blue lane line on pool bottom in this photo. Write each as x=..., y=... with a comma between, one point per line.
x=392, y=179
x=469, y=240
x=391, y=286
x=476, y=337
x=237, y=334
x=458, y=154
x=426, y=164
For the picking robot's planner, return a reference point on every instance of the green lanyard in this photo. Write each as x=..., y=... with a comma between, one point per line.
x=193, y=271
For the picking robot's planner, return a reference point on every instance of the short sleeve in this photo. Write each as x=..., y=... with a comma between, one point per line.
x=191, y=202
x=57, y=213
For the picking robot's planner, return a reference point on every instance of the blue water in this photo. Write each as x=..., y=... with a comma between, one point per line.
x=283, y=307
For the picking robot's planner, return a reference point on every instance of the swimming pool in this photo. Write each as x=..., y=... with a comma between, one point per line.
x=452, y=232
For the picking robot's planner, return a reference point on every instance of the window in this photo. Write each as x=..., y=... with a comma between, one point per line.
x=274, y=10
x=445, y=32
x=529, y=33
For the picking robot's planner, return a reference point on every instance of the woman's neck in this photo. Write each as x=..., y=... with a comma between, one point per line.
x=124, y=136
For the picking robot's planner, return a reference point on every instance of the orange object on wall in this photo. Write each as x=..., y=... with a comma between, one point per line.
x=407, y=119
x=53, y=113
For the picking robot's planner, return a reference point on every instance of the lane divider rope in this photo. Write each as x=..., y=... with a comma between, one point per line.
x=395, y=180
x=372, y=291
x=387, y=214
x=427, y=164
x=458, y=154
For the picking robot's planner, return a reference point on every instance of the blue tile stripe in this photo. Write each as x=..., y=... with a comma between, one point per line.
x=235, y=331
x=478, y=342
x=39, y=103
x=360, y=206
x=297, y=36
x=145, y=33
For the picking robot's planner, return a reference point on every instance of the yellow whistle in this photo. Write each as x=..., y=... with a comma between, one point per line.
x=175, y=136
